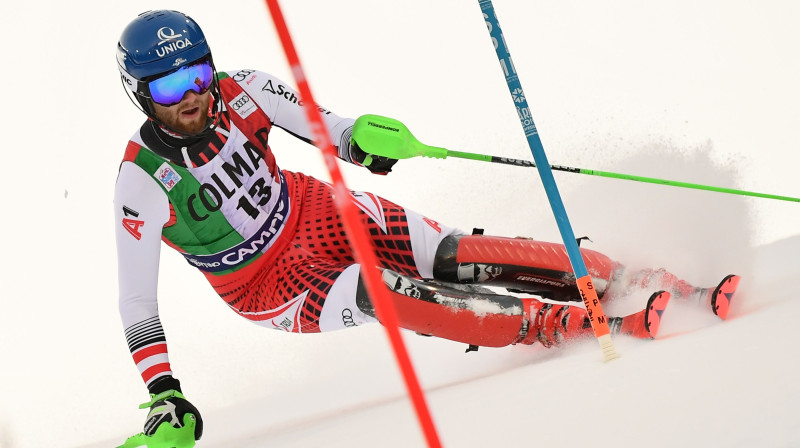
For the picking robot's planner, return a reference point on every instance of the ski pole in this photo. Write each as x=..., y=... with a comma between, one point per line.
x=597, y=318
x=387, y=137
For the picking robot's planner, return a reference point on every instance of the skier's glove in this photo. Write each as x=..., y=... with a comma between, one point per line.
x=376, y=164
x=168, y=405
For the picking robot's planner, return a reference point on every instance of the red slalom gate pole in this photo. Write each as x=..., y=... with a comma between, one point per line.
x=362, y=246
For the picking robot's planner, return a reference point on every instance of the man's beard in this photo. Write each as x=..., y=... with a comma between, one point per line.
x=173, y=119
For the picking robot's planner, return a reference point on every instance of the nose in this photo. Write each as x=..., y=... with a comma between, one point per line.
x=188, y=93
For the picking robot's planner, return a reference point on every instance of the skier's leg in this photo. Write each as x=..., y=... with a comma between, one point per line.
x=519, y=264
x=495, y=320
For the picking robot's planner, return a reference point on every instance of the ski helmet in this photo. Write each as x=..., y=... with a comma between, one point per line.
x=155, y=44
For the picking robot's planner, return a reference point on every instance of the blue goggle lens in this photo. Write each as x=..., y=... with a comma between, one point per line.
x=169, y=90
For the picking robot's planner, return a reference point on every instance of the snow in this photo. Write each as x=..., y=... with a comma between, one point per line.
x=695, y=91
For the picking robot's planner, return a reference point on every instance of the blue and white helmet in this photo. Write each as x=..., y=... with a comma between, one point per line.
x=157, y=43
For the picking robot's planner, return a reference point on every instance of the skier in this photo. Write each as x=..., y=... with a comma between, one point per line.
x=199, y=175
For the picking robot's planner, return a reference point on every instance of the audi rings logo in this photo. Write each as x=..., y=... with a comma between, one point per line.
x=240, y=102
x=347, y=318
x=243, y=105
x=163, y=35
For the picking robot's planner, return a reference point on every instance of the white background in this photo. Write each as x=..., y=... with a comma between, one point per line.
x=696, y=91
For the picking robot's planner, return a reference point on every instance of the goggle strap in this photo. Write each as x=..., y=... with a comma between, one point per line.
x=129, y=81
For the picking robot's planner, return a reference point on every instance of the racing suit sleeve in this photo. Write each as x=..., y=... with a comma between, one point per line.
x=141, y=209
x=282, y=104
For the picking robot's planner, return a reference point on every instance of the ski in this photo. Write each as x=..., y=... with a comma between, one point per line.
x=645, y=323
x=721, y=295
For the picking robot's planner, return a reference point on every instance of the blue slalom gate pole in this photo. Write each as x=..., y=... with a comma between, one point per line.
x=584, y=281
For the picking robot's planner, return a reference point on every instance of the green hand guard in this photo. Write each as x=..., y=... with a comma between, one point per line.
x=166, y=436
x=387, y=137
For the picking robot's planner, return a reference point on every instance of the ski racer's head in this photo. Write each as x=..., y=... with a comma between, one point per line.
x=166, y=66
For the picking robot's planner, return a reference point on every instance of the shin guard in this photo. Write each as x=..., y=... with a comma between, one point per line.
x=431, y=309
x=519, y=264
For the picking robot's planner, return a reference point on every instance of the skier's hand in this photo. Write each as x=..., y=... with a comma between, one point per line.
x=168, y=405
x=376, y=164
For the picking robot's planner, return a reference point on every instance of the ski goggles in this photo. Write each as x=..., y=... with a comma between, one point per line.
x=169, y=90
